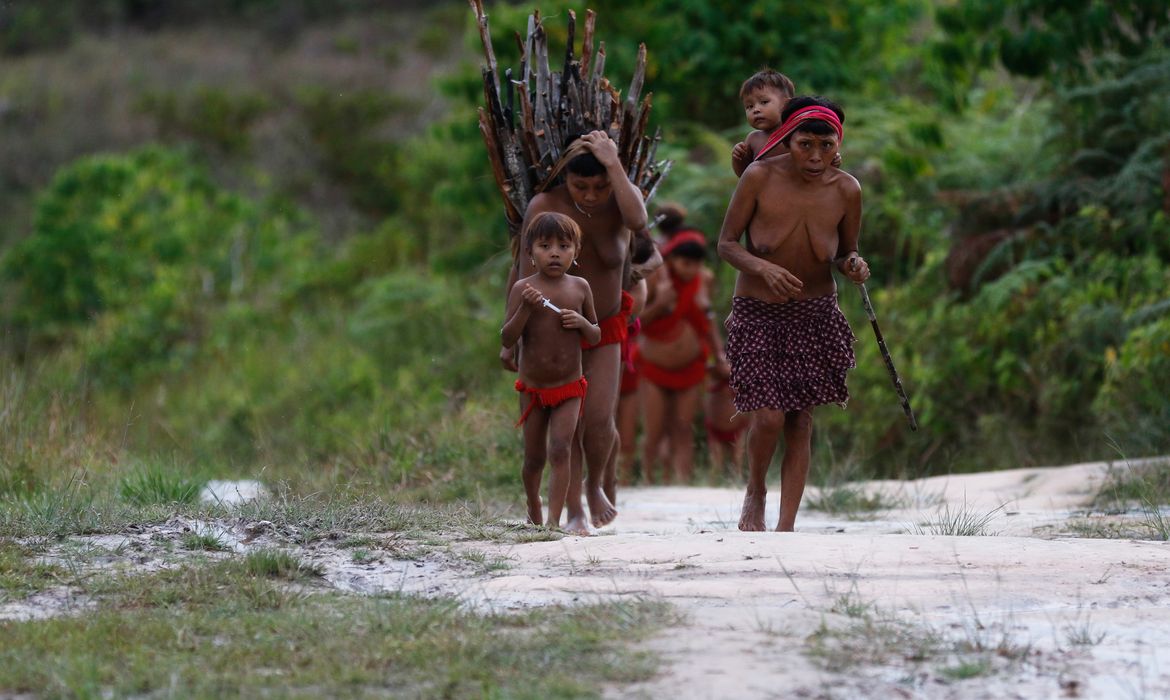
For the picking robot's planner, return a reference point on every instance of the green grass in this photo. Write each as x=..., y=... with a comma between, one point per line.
x=20, y=574
x=851, y=501
x=1141, y=484
x=204, y=542
x=858, y=634
x=962, y=521
x=225, y=630
x=158, y=485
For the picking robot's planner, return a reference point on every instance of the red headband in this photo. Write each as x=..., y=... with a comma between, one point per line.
x=682, y=238
x=800, y=116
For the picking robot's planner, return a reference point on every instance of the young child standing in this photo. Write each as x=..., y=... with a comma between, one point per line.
x=764, y=95
x=549, y=313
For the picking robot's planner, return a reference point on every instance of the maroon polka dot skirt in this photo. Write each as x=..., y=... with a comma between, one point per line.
x=789, y=356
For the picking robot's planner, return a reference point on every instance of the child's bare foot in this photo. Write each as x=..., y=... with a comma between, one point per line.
x=751, y=518
x=601, y=510
x=578, y=526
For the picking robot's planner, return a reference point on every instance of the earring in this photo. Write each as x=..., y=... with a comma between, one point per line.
x=533, y=261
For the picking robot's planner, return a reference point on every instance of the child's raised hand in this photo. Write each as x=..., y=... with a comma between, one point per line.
x=836, y=162
x=531, y=296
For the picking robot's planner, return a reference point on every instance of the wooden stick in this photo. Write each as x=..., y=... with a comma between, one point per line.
x=886, y=356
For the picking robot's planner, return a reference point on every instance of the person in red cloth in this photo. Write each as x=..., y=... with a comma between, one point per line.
x=677, y=340
x=643, y=255
x=725, y=425
x=789, y=344
x=550, y=313
x=597, y=195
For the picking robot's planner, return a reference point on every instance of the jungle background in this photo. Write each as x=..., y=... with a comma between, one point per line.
x=260, y=238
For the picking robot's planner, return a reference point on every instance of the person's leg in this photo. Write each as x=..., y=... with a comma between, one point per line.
x=627, y=422
x=716, y=452
x=686, y=406
x=766, y=426
x=562, y=426
x=535, y=439
x=654, y=407
x=603, y=369
x=794, y=467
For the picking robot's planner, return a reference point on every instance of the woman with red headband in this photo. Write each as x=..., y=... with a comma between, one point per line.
x=789, y=345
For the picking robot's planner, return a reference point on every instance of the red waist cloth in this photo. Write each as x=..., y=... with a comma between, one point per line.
x=613, y=329
x=551, y=396
x=668, y=327
x=629, y=369
x=727, y=437
x=684, y=377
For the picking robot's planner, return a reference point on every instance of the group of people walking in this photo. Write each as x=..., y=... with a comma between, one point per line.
x=574, y=293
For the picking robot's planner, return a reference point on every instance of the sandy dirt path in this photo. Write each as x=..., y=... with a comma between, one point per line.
x=842, y=608
x=1026, y=612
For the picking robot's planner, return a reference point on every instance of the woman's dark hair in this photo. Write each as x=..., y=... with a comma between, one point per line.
x=812, y=126
x=584, y=165
x=673, y=215
x=691, y=250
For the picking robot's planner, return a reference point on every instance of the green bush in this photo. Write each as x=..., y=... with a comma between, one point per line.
x=132, y=253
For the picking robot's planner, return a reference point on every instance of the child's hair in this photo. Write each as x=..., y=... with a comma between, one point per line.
x=586, y=164
x=550, y=224
x=768, y=78
x=812, y=126
x=643, y=248
x=691, y=245
x=691, y=250
x=673, y=216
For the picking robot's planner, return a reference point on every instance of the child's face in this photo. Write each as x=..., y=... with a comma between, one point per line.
x=684, y=269
x=763, y=107
x=812, y=153
x=552, y=256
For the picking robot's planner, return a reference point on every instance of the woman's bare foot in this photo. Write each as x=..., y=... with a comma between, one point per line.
x=578, y=526
x=601, y=510
x=536, y=511
x=751, y=518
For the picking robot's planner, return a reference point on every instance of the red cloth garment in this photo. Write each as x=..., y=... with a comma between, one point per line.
x=551, y=396
x=678, y=379
x=613, y=329
x=800, y=116
x=727, y=437
x=666, y=328
x=629, y=348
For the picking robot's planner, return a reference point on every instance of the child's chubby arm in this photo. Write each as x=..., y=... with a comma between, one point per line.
x=736, y=221
x=522, y=300
x=586, y=321
x=744, y=152
x=741, y=157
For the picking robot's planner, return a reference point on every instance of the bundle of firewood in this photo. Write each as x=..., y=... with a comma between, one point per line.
x=524, y=126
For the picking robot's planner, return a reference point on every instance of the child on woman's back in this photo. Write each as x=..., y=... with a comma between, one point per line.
x=549, y=313
x=764, y=95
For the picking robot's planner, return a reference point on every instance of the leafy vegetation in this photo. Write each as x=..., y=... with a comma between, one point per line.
x=187, y=302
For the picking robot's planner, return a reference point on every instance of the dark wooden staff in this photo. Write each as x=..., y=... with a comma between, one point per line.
x=877, y=331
